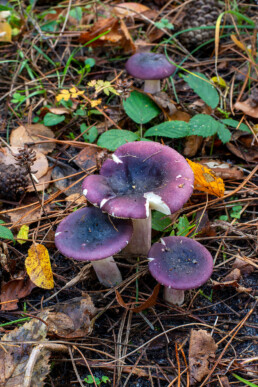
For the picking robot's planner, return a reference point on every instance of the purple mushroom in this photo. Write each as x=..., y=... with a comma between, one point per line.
x=179, y=263
x=90, y=235
x=151, y=67
x=140, y=177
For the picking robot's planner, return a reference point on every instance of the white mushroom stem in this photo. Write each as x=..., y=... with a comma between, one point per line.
x=152, y=86
x=141, y=240
x=107, y=272
x=173, y=296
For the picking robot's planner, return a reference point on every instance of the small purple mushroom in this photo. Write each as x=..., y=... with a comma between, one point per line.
x=179, y=263
x=151, y=67
x=142, y=176
x=90, y=235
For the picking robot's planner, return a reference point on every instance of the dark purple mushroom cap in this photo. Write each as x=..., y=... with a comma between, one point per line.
x=142, y=175
x=180, y=263
x=149, y=65
x=89, y=235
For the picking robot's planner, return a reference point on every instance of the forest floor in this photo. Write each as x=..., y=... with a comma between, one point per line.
x=66, y=104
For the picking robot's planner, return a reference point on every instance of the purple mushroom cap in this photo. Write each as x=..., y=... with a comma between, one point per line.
x=142, y=175
x=149, y=66
x=89, y=235
x=180, y=263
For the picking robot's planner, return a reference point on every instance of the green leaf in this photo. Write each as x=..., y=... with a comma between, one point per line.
x=105, y=379
x=160, y=221
x=203, y=88
x=76, y=13
x=247, y=383
x=113, y=138
x=52, y=119
x=183, y=226
x=223, y=133
x=203, y=125
x=140, y=108
x=91, y=134
x=234, y=124
x=5, y=233
x=170, y=129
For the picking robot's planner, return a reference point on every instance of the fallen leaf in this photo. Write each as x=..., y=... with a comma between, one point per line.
x=192, y=145
x=165, y=103
x=234, y=275
x=26, y=215
x=231, y=284
x=243, y=266
x=87, y=158
x=130, y=9
x=67, y=176
x=72, y=319
x=43, y=182
x=15, y=353
x=5, y=31
x=224, y=170
x=76, y=198
x=247, y=108
x=30, y=133
x=201, y=351
x=13, y=291
x=244, y=146
x=23, y=234
x=38, y=266
x=206, y=181
x=151, y=301
x=60, y=110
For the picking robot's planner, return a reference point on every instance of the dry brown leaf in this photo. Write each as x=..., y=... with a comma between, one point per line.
x=30, y=133
x=26, y=215
x=243, y=146
x=59, y=110
x=165, y=103
x=76, y=198
x=234, y=275
x=87, y=158
x=15, y=290
x=14, y=356
x=73, y=319
x=222, y=169
x=43, y=182
x=130, y=9
x=243, y=266
x=38, y=266
x=247, y=108
x=231, y=284
x=201, y=351
x=192, y=145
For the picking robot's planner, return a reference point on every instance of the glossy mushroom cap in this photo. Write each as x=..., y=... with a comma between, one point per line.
x=88, y=235
x=142, y=175
x=149, y=66
x=180, y=263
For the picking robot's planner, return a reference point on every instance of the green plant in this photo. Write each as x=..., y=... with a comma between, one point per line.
x=90, y=380
x=5, y=233
x=205, y=295
x=164, y=23
x=246, y=382
x=182, y=227
x=140, y=108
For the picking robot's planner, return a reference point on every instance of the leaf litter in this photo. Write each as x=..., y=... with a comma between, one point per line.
x=131, y=334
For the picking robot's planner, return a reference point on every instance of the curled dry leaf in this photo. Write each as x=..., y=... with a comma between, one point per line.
x=151, y=301
x=201, y=351
x=243, y=266
x=76, y=198
x=192, y=145
x=86, y=158
x=38, y=267
x=73, y=319
x=15, y=354
x=30, y=133
x=224, y=170
x=165, y=103
x=247, y=108
x=125, y=10
x=231, y=284
x=13, y=291
x=243, y=146
x=234, y=275
x=206, y=181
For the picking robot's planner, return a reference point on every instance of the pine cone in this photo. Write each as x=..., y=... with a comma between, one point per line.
x=199, y=13
x=13, y=181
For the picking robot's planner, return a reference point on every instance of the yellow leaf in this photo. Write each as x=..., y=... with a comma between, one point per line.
x=5, y=31
x=95, y=102
x=240, y=44
x=219, y=81
x=38, y=266
x=206, y=181
x=23, y=234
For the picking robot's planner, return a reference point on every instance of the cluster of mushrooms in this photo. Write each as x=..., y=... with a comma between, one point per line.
x=141, y=176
